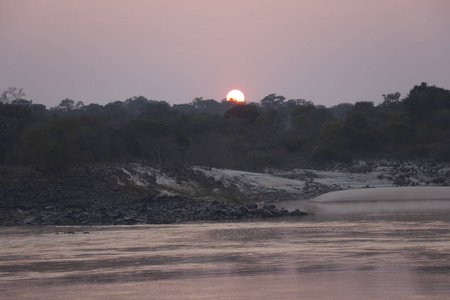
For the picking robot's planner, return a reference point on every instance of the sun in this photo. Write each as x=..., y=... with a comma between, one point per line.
x=236, y=96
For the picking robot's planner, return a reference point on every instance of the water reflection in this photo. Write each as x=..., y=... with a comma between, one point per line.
x=373, y=256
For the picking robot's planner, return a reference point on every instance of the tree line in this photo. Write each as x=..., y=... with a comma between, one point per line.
x=275, y=132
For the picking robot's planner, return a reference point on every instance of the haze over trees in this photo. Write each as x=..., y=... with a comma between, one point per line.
x=275, y=132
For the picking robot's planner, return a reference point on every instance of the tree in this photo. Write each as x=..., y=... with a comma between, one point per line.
x=332, y=135
x=340, y=111
x=363, y=107
x=142, y=107
x=117, y=112
x=272, y=101
x=423, y=99
x=208, y=150
x=293, y=103
x=247, y=112
x=91, y=138
x=200, y=105
x=68, y=105
x=41, y=147
x=94, y=109
x=389, y=99
x=275, y=112
x=22, y=102
x=155, y=141
x=12, y=94
x=302, y=122
x=206, y=106
x=13, y=120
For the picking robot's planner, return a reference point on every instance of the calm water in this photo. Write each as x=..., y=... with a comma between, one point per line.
x=369, y=257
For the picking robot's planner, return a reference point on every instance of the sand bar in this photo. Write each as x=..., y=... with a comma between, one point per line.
x=417, y=200
x=387, y=194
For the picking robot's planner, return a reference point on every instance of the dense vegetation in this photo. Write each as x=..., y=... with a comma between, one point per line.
x=276, y=132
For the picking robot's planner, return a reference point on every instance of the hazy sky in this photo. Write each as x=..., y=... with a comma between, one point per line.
x=329, y=51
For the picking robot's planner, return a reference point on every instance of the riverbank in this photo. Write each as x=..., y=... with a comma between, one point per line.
x=149, y=210
x=104, y=195
x=135, y=193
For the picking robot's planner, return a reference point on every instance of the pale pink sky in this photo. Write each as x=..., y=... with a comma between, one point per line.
x=326, y=51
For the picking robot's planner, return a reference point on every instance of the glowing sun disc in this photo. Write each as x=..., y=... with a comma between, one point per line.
x=236, y=96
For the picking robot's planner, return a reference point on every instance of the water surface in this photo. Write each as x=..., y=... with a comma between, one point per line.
x=368, y=257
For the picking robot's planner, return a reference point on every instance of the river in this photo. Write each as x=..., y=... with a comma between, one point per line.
x=366, y=257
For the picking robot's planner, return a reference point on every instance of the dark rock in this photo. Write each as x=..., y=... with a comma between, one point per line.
x=251, y=206
x=267, y=213
x=284, y=212
x=45, y=203
x=297, y=212
x=29, y=220
x=163, y=210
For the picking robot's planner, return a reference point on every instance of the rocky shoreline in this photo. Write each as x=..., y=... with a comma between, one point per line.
x=102, y=196
x=150, y=210
x=133, y=193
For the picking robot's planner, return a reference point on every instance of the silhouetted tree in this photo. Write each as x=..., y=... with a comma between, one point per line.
x=340, y=111
x=423, y=99
x=392, y=101
x=12, y=94
x=68, y=105
x=155, y=141
x=245, y=112
x=13, y=120
x=276, y=132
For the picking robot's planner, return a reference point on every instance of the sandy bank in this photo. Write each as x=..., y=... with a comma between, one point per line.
x=416, y=193
x=415, y=200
